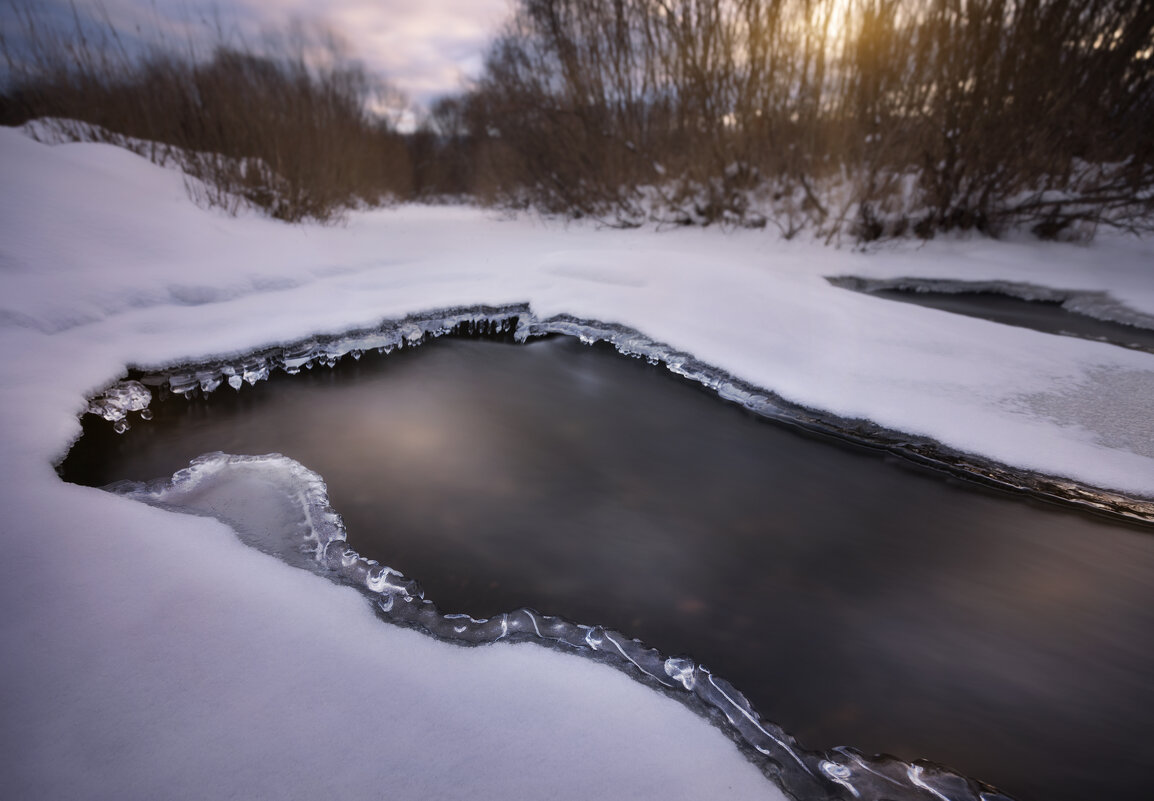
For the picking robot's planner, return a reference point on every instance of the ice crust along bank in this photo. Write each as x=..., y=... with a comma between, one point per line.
x=280, y=507
x=193, y=380
x=117, y=402
x=156, y=657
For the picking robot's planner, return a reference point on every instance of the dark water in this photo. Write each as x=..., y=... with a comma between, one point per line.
x=1046, y=316
x=854, y=599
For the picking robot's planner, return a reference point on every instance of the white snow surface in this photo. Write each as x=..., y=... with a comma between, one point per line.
x=151, y=655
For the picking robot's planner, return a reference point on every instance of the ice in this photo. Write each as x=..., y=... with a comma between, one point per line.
x=281, y=508
x=115, y=402
x=1120, y=410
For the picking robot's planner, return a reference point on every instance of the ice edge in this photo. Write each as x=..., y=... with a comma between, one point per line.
x=119, y=400
x=840, y=773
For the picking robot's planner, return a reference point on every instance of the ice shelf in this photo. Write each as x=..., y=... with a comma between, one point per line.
x=519, y=322
x=282, y=508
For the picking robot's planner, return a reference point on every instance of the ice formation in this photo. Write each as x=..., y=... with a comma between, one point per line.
x=114, y=403
x=280, y=507
x=522, y=324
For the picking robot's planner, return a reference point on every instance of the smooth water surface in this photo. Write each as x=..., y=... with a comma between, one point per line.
x=1046, y=316
x=854, y=599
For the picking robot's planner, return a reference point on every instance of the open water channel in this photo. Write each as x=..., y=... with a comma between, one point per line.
x=1046, y=316
x=854, y=598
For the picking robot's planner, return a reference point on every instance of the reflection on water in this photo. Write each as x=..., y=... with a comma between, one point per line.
x=854, y=601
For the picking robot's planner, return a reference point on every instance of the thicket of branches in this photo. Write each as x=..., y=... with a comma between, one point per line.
x=284, y=127
x=876, y=117
x=868, y=118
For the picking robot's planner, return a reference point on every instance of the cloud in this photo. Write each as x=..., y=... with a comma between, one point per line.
x=425, y=48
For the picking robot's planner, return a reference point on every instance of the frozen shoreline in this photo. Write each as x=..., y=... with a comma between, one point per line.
x=118, y=402
x=135, y=685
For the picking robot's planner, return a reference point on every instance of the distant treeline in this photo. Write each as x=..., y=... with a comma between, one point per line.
x=856, y=118
x=876, y=116
x=285, y=127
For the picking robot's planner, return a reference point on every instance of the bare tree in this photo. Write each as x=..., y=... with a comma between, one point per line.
x=876, y=117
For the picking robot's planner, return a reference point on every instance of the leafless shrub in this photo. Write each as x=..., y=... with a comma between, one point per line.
x=871, y=118
x=285, y=127
x=1034, y=112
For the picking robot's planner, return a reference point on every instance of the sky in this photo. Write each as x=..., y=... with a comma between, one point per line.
x=425, y=48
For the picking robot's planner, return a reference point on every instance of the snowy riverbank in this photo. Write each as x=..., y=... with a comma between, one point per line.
x=152, y=655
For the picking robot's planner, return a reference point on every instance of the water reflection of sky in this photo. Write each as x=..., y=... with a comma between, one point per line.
x=855, y=601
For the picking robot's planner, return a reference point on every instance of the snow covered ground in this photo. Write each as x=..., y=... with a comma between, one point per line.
x=152, y=655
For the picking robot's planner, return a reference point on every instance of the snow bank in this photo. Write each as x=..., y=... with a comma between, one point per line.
x=143, y=664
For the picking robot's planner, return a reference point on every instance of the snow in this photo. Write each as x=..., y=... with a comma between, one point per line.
x=150, y=654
